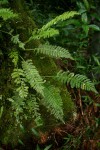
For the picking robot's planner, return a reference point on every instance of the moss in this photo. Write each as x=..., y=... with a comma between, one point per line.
x=10, y=132
x=47, y=68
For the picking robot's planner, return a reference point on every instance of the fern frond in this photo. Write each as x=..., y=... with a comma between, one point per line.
x=33, y=109
x=32, y=76
x=62, y=17
x=44, y=34
x=17, y=106
x=53, y=51
x=19, y=79
x=15, y=40
x=78, y=81
x=7, y=14
x=14, y=56
x=53, y=102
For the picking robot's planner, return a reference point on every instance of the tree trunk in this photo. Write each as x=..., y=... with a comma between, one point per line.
x=45, y=65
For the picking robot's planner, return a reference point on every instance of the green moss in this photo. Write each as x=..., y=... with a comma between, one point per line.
x=10, y=133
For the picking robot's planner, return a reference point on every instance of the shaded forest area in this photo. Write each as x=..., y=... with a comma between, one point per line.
x=49, y=75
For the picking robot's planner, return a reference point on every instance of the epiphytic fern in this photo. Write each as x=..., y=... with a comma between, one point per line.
x=46, y=31
x=29, y=107
x=19, y=79
x=17, y=106
x=78, y=81
x=38, y=34
x=7, y=14
x=62, y=17
x=53, y=51
x=53, y=102
x=33, y=109
x=32, y=76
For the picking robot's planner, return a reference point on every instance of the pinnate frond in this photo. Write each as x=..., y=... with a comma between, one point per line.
x=33, y=109
x=19, y=79
x=61, y=17
x=77, y=81
x=32, y=76
x=53, y=51
x=53, y=102
x=7, y=14
x=51, y=32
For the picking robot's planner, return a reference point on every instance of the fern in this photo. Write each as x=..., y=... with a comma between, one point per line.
x=62, y=17
x=19, y=79
x=7, y=14
x=15, y=40
x=53, y=102
x=33, y=109
x=78, y=81
x=26, y=109
x=17, y=106
x=32, y=76
x=46, y=31
x=44, y=34
x=53, y=51
x=14, y=56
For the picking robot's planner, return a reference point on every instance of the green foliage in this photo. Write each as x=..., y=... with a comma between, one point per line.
x=62, y=17
x=38, y=34
x=14, y=56
x=53, y=51
x=15, y=40
x=78, y=81
x=7, y=14
x=32, y=76
x=19, y=79
x=2, y=2
x=29, y=107
x=33, y=87
x=32, y=106
x=46, y=31
x=46, y=148
x=53, y=101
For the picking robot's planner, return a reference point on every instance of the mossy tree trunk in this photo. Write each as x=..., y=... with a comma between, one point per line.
x=45, y=65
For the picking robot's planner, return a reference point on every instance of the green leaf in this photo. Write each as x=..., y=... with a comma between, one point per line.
x=61, y=17
x=7, y=14
x=1, y=111
x=48, y=147
x=35, y=132
x=78, y=81
x=53, y=51
x=53, y=101
x=85, y=28
x=38, y=148
x=94, y=27
x=33, y=77
x=86, y=3
x=84, y=18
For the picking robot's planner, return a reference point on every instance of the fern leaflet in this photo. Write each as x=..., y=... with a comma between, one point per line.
x=78, y=81
x=53, y=51
x=32, y=76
